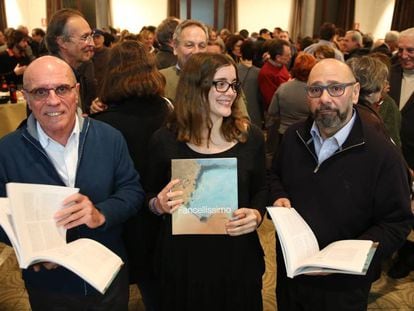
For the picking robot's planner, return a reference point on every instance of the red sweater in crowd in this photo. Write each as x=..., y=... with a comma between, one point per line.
x=270, y=78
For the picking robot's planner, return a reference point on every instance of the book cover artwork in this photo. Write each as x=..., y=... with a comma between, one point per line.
x=210, y=195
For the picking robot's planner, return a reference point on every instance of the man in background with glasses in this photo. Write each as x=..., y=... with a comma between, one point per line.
x=57, y=146
x=402, y=91
x=69, y=37
x=190, y=37
x=347, y=181
x=14, y=61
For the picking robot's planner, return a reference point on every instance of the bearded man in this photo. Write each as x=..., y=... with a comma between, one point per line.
x=347, y=181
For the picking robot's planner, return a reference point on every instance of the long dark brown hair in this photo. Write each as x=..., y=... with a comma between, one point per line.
x=192, y=108
x=131, y=72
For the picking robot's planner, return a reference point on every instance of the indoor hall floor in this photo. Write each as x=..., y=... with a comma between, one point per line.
x=386, y=293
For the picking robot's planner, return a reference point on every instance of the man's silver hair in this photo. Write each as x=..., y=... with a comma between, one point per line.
x=392, y=36
x=356, y=36
x=187, y=23
x=407, y=32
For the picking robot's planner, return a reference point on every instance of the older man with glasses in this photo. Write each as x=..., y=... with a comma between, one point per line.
x=58, y=146
x=190, y=37
x=69, y=37
x=402, y=91
x=347, y=181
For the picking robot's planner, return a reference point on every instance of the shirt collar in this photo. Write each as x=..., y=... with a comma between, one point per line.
x=177, y=68
x=409, y=73
x=44, y=139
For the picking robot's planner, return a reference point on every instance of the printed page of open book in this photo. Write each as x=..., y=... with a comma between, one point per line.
x=33, y=207
x=292, y=229
x=7, y=224
x=347, y=255
x=89, y=259
x=301, y=251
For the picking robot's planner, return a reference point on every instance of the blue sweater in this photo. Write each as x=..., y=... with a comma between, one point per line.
x=105, y=173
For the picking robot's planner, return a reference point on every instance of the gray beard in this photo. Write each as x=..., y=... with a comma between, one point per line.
x=330, y=122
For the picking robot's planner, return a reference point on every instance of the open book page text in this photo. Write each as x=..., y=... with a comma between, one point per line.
x=295, y=231
x=33, y=208
x=89, y=259
x=7, y=224
x=343, y=255
x=301, y=251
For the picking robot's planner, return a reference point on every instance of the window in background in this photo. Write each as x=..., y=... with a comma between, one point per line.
x=209, y=12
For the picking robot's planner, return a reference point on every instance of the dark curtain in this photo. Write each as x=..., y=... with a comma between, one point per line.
x=403, y=16
x=296, y=19
x=174, y=8
x=230, y=15
x=346, y=14
x=3, y=20
x=51, y=7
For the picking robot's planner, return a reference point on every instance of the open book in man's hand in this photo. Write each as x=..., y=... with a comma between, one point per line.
x=301, y=250
x=26, y=216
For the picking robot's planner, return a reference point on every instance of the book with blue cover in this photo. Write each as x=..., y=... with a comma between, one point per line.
x=210, y=195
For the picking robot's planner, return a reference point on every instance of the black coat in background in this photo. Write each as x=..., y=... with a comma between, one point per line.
x=7, y=65
x=407, y=114
x=137, y=119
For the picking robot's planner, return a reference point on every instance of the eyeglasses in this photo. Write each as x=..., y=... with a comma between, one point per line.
x=223, y=86
x=408, y=50
x=43, y=93
x=334, y=90
x=85, y=38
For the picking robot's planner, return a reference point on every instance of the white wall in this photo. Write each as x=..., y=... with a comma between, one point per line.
x=374, y=16
x=30, y=13
x=133, y=14
x=254, y=15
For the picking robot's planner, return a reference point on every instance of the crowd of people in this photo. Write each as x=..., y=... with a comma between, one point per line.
x=108, y=112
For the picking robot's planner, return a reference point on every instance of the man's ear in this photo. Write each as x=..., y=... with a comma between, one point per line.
x=355, y=93
x=27, y=100
x=171, y=43
x=276, y=59
x=61, y=42
x=174, y=46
